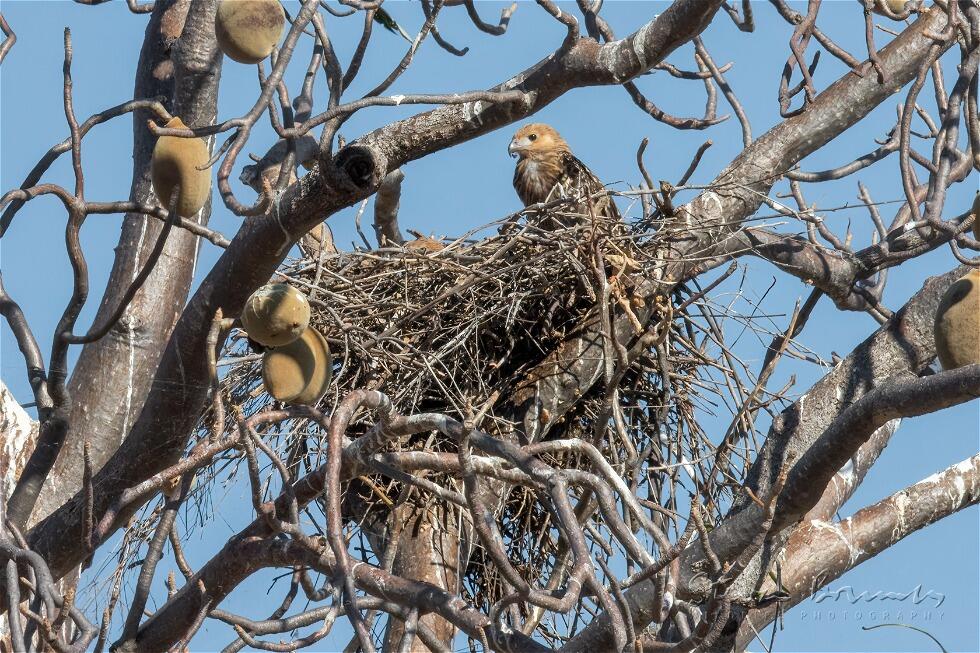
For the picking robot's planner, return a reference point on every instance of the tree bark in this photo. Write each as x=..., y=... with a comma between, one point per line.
x=428, y=550
x=19, y=433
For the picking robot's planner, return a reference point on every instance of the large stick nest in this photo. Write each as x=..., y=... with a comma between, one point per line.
x=446, y=326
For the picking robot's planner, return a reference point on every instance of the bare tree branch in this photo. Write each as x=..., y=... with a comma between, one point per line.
x=386, y=209
x=905, y=344
x=901, y=396
x=8, y=41
x=819, y=551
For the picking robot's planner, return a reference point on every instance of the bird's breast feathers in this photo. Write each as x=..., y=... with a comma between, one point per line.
x=534, y=180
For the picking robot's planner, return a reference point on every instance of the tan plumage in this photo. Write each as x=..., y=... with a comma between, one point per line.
x=547, y=170
x=423, y=244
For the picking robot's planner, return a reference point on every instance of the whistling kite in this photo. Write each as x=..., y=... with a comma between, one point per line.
x=547, y=170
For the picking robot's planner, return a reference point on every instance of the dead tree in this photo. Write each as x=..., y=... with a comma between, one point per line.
x=514, y=415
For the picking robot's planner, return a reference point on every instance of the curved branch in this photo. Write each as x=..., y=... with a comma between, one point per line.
x=850, y=168
x=386, y=209
x=10, y=39
x=29, y=348
x=501, y=25
x=241, y=558
x=34, y=176
x=901, y=396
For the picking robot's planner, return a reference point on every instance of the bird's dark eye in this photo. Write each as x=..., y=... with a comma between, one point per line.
x=532, y=137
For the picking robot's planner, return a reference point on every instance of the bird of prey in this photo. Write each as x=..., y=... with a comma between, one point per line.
x=547, y=170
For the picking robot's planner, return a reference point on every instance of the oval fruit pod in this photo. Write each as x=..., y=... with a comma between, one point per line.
x=176, y=161
x=322, y=372
x=300, y=372
x=894, y=6
x=276, y=314
x=957, y=328
x=247, y=30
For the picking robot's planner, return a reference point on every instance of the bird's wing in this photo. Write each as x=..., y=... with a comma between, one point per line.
x=576, y=175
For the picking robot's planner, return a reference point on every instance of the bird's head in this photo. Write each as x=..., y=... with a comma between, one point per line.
x=536, y=139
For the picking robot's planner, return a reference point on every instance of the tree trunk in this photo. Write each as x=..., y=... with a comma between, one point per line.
x=428, y=550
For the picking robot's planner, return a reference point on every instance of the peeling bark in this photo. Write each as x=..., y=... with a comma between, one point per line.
x=18, y=435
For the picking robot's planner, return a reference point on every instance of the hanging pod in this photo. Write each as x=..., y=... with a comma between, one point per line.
x=300, y=372
x=957, y=326
x=247, y=30
x=176, y=161
x=276, y=314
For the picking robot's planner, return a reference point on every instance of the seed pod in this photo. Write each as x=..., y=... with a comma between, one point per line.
x=957, y=326
x=247, y=30
x=276, y=314
x=300, y=372
x=895, y=6
x=322, y=372
x=176, y=161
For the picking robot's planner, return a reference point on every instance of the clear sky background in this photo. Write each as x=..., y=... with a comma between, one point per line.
x=452, y=191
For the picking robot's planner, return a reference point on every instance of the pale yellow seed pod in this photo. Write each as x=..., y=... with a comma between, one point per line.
x=322, y=373
x=276, y=314
x=957, y=328
x=300, y=372
x=247, y=30
x=176, y=161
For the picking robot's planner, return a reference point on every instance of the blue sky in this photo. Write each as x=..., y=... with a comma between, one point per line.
x=450, y=192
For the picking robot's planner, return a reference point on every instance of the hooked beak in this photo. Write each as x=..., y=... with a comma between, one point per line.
x=517, y=145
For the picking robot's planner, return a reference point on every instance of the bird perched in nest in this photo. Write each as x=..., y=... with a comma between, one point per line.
x=547, y=170
x=423, y=244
